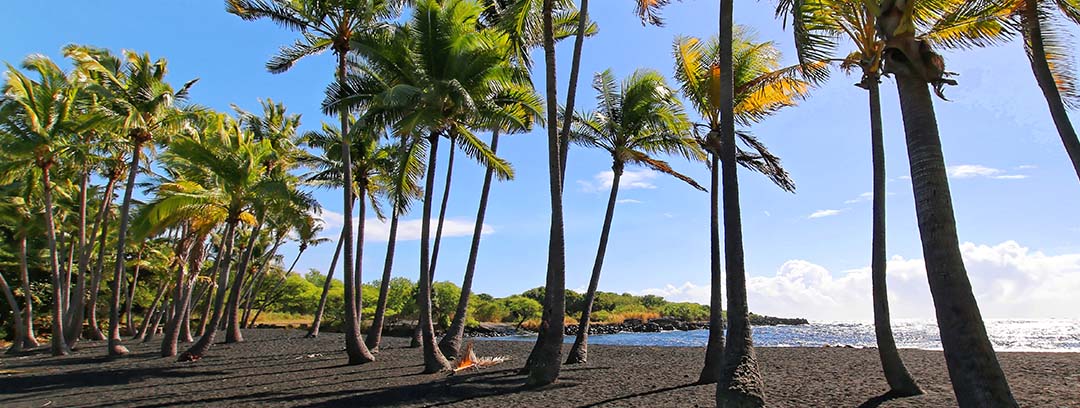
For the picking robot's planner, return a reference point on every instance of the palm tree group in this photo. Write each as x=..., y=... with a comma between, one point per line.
x=227, y=190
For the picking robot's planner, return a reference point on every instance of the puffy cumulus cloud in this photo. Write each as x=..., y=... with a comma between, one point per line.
x=1009, y=281
x=631, y=179
x=408, y=230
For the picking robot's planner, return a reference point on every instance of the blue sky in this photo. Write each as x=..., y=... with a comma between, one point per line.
x=1014, y=191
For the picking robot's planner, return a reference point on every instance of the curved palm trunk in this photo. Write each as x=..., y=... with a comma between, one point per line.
x=1033, y=41
x=714, y=350
x=256, y=281
x=315, y=324
x=434, y=361
x=17, y=342
x=374, y=335
x=175, y=314
x=232, y=329
x=114, y=348
x=155, y=319
x=354, y=345
x=275, y=292
x=29, y=340
x=450, y=344
x=973, y=367
x=77, y=301
x=58, y=344
x=130, y=295
x=209, y=329
x=99, y=264
x=148, y=317
x=740, y=384
x=571, y=91
x=438, y=234
x=84, y=261
x=579, y=353
x=544, y=361
x=896, y=374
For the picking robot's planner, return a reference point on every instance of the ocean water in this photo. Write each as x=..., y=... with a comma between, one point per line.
x=1006, y=335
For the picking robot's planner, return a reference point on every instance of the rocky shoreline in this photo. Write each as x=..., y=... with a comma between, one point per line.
x=628, y=326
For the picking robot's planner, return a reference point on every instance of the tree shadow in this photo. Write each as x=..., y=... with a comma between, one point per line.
x=641, y=394
x=79, y=379
x=881, y=399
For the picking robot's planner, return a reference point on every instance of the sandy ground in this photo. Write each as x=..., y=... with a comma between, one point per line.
x=280, y=368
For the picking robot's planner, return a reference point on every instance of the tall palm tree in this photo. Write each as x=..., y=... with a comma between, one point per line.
x=435, y=75
x=18, y=218
x=633, y=122
x=325, y=25
x=761, y=88
x=400, y=186
x=41, y=116
x=134, y=90
x=973, y=367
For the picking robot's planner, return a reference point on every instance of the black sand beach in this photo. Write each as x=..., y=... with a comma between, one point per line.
x=280, y=368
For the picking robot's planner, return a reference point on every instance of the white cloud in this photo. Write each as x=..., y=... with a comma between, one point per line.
x=627, y=201
x=631, y=179
x=1009, y=281
x=408, y=230
x=964, y=171
x=1026, y=167
x=767, y=214
x=824, y=213
x=864, y=197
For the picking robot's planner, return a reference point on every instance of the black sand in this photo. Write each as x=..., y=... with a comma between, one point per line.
x=280, y=368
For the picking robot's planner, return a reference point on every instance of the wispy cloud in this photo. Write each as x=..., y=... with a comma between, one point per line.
x=631, y=179
x=965, y=171
x=1026, y=167
x=627, y=201
x=824, y=213
x=864, y=197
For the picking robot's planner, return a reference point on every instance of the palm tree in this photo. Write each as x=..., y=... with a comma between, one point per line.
x=973, y=367
x=633, y=121
x=134, y=89
x=761, y=88
x=19, y=222
x=40, y=116
x=401, y=187
x=435, y=75
x=325, y=25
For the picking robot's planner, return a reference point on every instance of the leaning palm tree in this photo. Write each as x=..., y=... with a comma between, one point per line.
x=133, y=89
x=817, y=25
x=633, y=122
x=325, y=26
x=433, y=76
x=19, y=216
x=760, y=88
x=40, y=115
x=976, y=375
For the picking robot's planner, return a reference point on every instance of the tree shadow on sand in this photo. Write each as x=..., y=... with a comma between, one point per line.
x=641, y=394
x=881, y=399
x=67, y=382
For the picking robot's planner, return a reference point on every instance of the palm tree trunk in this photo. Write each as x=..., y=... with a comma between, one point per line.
x=714, y=350
x=209, y=329
x=155, y=321
x=256, y=281
x=275, y=292
x=232, y=330
x=544, y=362
x=204, y=318
x=148, y=317
x=374, y=336
x=579, y=352
x=740, y=384
x=99, y=263
x=314, y=331
x=450, y=344
x=77, y=302
x=355, y=347
x=130, y=296
x=59, y=346
x=17, y=341
x=180, y=297
x=114, y=348
x=973, y=367
x=1033, y=41
x=896, y=374
x=571, y=91
x=442, y=211
x=84, y=260
x=434, y=361
x=29, y=340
